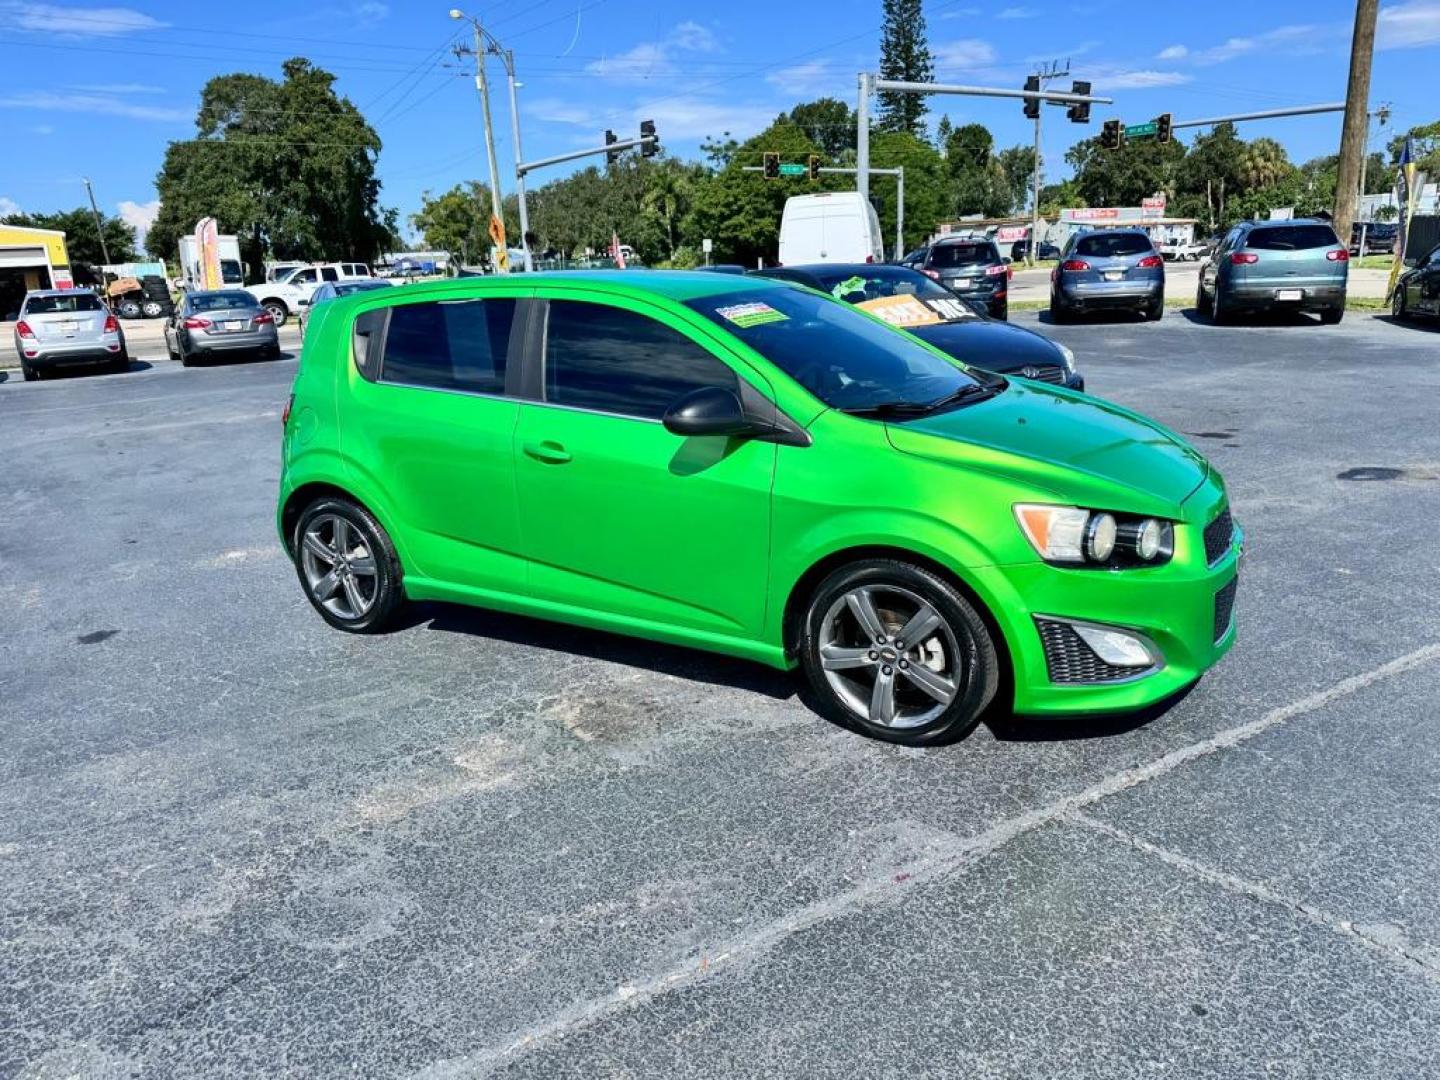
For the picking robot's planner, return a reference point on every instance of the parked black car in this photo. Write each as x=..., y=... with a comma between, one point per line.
x=1380, y=237
x=1021, y=250
x=1417, y=292
x=913, y=301
x=970, y=267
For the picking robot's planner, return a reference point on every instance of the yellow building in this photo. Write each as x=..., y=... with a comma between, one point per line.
x=30, y=259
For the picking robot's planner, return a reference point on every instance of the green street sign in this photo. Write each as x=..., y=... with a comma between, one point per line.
x=1140, y=131
x=786, y=169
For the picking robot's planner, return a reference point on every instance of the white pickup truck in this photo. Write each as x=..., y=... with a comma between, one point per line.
x=285, y=298
x=1181, y=250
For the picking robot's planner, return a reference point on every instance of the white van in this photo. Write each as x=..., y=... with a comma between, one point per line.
x=830, y=227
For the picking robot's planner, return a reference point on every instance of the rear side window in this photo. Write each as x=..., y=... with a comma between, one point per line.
x=611, y=360
x=449, y=345
x=1291, y=237
x=1113, y=245
x=46, y=305
x=220, y=301
x=963, y=254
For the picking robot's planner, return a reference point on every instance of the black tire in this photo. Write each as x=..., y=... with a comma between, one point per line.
x=1398, y=310
x=152, y=308
x=120, y=365
x=28, y=373
x=1155, y=312
x=975, y=668
x=1059, y=313
x=128, y=309
x=388, y=594
x=278, y=311
x=170, y=351
x=1332, y=316
x=1203, y=304
x=1220, y=313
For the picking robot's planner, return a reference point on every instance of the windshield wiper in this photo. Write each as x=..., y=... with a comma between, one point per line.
x=971, y=392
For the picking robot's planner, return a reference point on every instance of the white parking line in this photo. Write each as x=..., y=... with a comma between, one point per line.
x=946, y=857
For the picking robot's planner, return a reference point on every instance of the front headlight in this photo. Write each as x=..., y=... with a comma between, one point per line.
x=1068, y=356
x=1072, y=536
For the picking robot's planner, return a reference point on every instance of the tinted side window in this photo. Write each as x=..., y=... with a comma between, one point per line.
x=304, y=277
x=449, y=344
x=604, y=358
x=329, y=274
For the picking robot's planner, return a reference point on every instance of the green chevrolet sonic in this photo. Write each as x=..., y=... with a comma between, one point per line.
x=755, y=468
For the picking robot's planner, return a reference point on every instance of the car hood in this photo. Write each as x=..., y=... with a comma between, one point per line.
x=1080, y=448
x=993, y=345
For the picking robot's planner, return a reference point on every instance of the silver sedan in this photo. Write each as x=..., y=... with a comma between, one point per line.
x=220, y=322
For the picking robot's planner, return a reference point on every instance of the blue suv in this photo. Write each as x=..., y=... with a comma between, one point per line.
x=1108, y=270
x=1276, y=265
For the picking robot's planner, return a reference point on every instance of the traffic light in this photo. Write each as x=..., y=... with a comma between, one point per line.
x=1080, y=111
x=814, y=169
x=1162, y=127
x=1032, y=105
x=611, y=156
x=649, y=149
x=772, y=165
x=1110, y=135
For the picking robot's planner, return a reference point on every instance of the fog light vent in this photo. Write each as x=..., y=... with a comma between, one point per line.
x=1087, y=653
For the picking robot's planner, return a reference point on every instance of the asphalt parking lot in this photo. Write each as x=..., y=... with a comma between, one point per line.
x=234, y=842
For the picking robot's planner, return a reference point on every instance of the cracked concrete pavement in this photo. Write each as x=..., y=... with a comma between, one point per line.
x=236, y=843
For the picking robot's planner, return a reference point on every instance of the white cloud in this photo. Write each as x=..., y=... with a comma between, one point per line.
x=1018, y=13
x=1297, y=38
x=807, y=78
x=139, y=216
x=8, y=206
x=370, y=12
x=961, y=13
x=653, y=58
x=1174, y=52
x=90, y=103
x=76, y=22
x=1409, y=25
x=119, y=88
x=1137, y=80
x=694, y=118
x=561, y=111
x=965, y=53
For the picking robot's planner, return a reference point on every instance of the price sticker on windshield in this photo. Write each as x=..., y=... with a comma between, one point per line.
x=748, y=315
x=950, y=310
x=900, y=311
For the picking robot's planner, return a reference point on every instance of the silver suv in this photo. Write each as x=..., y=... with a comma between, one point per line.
x=1108, y=270
x=65, y=328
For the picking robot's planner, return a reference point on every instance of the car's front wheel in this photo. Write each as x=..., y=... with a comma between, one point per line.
x=347, y=565
x=896, y=652
x=1397, y=304
x=278, y=311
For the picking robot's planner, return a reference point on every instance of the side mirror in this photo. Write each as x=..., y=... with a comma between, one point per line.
x=711, y=410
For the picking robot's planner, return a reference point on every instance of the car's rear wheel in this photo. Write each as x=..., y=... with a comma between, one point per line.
x=1220, y=312
x=1059, y=313
x=28, y=373
x=128, y=309
x=152, y=309
x=1331, y=316
x=1155, y=311
x=347, y=565
x=896, y=652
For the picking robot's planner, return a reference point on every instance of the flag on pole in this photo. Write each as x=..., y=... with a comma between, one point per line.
x=615, y=251
x=1405, y=194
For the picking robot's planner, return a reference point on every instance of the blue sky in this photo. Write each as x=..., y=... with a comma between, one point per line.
x=100, y=90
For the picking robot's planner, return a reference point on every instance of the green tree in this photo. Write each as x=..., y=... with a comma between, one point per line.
x=288, y=164
x=904, y=55
x=943, y=131
x=1057, y=197
x=1123, y=177
x=1017, y=164
x=976, y=180
x=457, y=220
x=82, y=240
x=925, y=201
x=741, y=211
x=1426, y=142
x=829, y=122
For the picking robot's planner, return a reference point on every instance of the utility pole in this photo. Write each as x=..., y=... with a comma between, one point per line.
x=1352, y=136
x=1042, y=76
x=99, y=226
x=483, y=86
x=862, y=136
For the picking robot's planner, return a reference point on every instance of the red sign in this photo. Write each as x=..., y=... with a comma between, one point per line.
x=1153, y=207
x=1096, y=213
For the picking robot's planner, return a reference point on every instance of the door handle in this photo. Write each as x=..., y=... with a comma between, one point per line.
x=551, y=453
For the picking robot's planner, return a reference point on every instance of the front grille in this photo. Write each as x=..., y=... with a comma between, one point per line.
x=1069, y=660
x=1218, y=535
x=1042, y=373
x=1224, y=604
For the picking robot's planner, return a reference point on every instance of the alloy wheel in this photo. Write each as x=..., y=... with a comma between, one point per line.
x=1397, y=303
x=339, y=566
x=890, y=656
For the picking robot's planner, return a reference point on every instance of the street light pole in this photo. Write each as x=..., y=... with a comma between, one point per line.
x=519, y=176
x=99, y=225
x=482, y=84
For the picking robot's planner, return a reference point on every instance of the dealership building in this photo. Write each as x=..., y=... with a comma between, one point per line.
x=30, y=259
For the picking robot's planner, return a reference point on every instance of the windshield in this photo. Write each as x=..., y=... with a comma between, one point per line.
x=221, y=301
x=1291, y=238
x=857, y=284
x=962, y=254
x=844, y=358
x=45, y=305
x=1112, y=245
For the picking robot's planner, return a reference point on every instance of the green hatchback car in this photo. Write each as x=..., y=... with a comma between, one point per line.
x=755, y=468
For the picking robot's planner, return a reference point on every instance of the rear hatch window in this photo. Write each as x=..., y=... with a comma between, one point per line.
x=1291, y=238
x=1113, y=245
x=50, y=305
x=943, y=255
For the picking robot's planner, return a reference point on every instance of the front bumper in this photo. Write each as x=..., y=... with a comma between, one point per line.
x=1184, y=609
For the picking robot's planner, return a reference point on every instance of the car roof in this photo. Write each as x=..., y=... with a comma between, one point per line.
x=849, y=268
x=59, y=292
x=1284, y=222
x=677, y=285
x=963, y=240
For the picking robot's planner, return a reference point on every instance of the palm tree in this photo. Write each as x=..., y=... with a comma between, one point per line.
x=1263, y=164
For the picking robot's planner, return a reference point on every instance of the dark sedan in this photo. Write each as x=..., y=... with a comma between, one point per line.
x=971, y=267
x=912, y=301
x=220, y=322
x=1417, y=292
